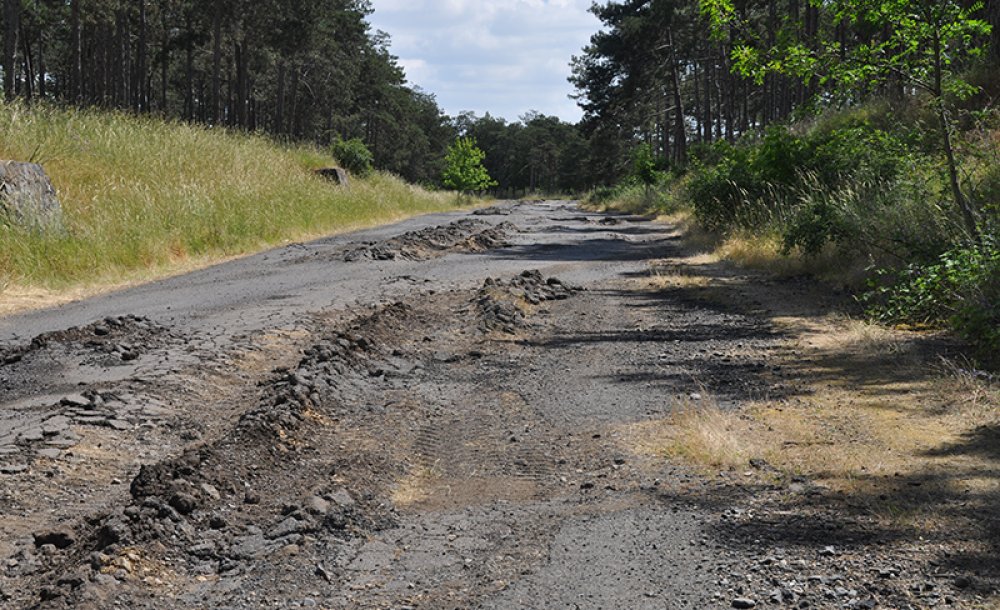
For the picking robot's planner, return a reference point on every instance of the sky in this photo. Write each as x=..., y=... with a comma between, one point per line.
x=504, y=57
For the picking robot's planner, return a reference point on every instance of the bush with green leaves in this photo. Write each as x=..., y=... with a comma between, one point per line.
x=464, y=170
x=737, y=186
x=961, y=289
x=354, y=155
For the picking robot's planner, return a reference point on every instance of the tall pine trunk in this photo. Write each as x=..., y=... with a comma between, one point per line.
x=216, y=63
x=12, y=19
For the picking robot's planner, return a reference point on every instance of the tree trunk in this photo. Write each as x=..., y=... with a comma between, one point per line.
x=29, y=69
x=993, y=16
x=708, y=95
x=216, y=62
x=12, y=18
x=680, y=132
x=189, y=72
x=76, y=54
x=121, y=64
x=140, y=89
x=241, y=84
x=42, y=87
x=279, y=113
x=968, y=215
x=293, y=104
x=164, y=62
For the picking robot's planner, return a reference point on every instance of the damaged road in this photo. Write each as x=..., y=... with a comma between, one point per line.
x=451, y=412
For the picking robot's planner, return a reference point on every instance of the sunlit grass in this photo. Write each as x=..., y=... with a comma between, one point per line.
x=141, y=194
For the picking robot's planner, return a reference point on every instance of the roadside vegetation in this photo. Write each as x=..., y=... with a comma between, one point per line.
x=870, y=162
x=140, y=194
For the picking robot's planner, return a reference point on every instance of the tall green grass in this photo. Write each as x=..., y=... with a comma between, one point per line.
x=140, y=193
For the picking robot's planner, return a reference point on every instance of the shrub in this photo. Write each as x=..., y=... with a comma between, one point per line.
x=353, y=155
x=961, y=289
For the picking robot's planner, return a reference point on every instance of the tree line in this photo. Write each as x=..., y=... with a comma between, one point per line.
x=301, y=70
x=666, y=73
x=296, y=69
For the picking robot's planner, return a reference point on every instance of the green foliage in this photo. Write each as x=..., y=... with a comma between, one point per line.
x=644, y=165
x=961, y=289
x=464, y=169
x=537, y=153
x=813, y=225
x=666, y=196
x=353, y=155
x=729, y=181
x=923, y=44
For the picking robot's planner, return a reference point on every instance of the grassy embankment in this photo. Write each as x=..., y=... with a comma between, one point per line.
x=145, y=198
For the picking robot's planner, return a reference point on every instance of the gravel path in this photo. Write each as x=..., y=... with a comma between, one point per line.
x=411, y=417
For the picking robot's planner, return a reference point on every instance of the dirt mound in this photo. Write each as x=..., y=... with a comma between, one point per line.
x=503, y=305
x=113, y=340
x=495, y=210
x=262, y=487
x=464, y=235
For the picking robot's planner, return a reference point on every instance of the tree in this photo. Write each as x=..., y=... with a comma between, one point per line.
x=464, y=171
x=644, y=168
x=922, y=43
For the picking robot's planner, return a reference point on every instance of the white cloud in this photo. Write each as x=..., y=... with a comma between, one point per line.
x=504, y=56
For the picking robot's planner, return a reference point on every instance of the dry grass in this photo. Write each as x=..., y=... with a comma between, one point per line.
x=873, y=420
x=877, y=416
x=143, y=197
x=763, y=252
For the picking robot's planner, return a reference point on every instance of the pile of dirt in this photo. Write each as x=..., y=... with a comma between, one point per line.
x=503, y=305
x=113, y=340
x=464, y=235
x=262, y=487
x=495, y=210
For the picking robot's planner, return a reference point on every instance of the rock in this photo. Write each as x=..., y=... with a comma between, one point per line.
x=113, y=532
x=61, y=539
x=744, y=602
x=253, y=546
x=287, y=527
x=28, y=199
x=13, y=468
x=203, y=550
x=341, y=498
x=75, y=400
x=317, y=505
x=119, y=424
x=55, y=425
x=33, y=435
x=211, y=491
x=183, y=503
x=49, y=453
x=336, y=175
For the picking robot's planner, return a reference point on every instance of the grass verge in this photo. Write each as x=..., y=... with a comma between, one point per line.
x=144, y=197
x=887, y=421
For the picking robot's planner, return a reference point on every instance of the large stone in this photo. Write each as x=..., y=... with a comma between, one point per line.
x=334, y=174
x=27, y=198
